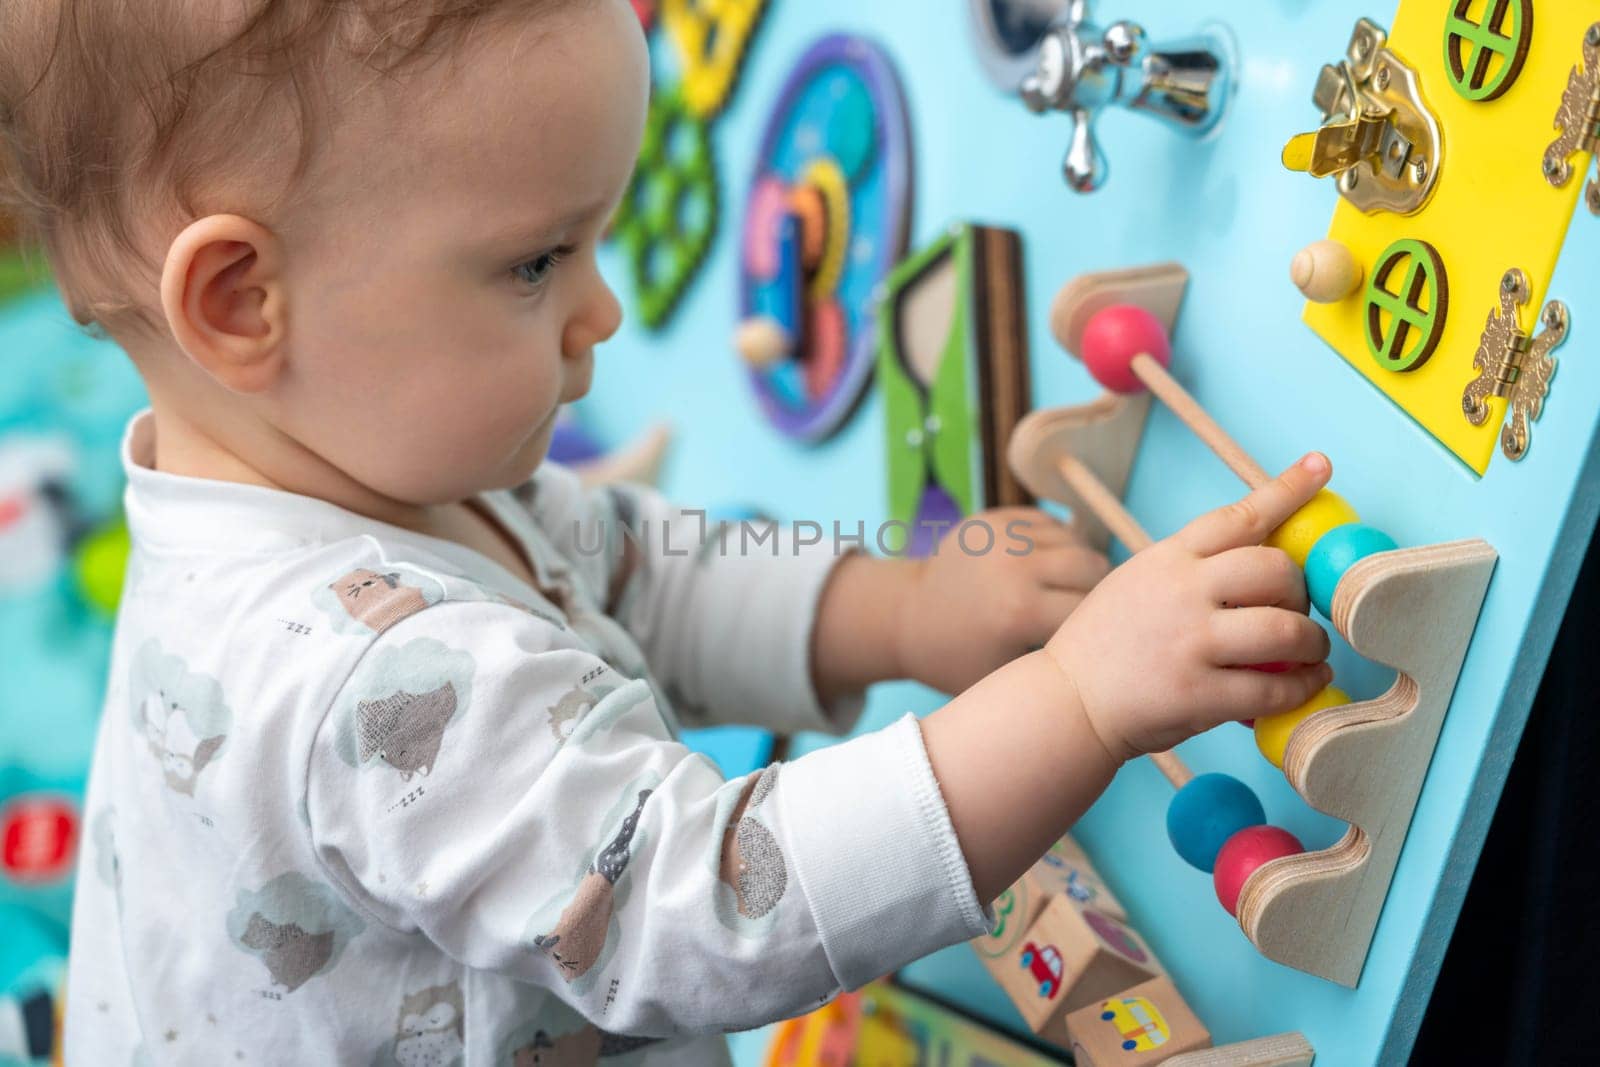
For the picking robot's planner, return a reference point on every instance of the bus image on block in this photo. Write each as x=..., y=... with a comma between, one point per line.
x=1138, y=1021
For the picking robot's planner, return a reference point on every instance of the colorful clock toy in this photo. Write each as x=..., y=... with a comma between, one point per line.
x=826, y=220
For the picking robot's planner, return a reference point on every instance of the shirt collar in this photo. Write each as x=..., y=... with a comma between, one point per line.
x=174, y=512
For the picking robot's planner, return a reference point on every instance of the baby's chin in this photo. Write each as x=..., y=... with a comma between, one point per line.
x=532, y=455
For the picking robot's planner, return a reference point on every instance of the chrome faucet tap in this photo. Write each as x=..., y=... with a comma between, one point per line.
x=1082, y=70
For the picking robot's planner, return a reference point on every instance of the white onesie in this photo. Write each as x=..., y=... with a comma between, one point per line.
x=361, y=796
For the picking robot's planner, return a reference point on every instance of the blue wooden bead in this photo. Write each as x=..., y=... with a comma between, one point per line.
x=1206, y=812
x=1334, y=553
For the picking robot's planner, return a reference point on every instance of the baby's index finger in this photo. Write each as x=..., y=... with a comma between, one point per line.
x=1251, y=521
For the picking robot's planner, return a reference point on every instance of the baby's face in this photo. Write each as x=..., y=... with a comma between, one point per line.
x=442, y=291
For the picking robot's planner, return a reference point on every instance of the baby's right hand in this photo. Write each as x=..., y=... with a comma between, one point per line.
x=1160, y=650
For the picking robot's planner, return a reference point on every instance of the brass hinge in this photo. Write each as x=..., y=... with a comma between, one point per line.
x=1578, y=119
x=1515, y=365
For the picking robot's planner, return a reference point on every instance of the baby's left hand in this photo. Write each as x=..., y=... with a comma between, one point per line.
x=969, y=611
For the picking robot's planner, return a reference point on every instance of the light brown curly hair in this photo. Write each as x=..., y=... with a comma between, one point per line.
x=121, y=119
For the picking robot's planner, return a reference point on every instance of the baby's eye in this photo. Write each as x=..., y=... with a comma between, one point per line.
x=537, y=270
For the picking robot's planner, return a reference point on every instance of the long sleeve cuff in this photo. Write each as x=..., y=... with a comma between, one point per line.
x=881, y=867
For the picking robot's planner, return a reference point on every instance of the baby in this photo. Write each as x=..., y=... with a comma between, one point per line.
x=388, y=769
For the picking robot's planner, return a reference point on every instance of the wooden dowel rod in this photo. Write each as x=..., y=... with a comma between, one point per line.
x=1104, y=503
x=1177, y=398
x=1169, y=764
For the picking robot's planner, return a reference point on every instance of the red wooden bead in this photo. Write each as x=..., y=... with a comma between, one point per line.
x=1114, y=336
x=1244, y=852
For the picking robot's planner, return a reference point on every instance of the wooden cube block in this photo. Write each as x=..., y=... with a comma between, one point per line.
x=1015, y=911
x=1066, y=870
x=1069, y=957
x=1145, y=1024
x=1063, y=871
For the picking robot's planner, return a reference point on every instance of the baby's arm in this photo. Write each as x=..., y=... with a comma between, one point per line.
x=483, y=782
x=726, y=618
x=722, y=615
x=949, y=619
x=1156, y=654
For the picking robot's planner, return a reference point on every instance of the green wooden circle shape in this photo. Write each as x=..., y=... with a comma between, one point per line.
x=1471, y=48
x=1415, y=309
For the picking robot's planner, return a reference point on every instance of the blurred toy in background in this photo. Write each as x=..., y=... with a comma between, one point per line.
x=669, y=215
x=39, y=830
x=572, y=445
x=882, y=1025
x=64, y=400
x=710, y=39
x=827, y=218
x=30, y=1029
x=20, y=270
x=37, y=521
x=953, y=367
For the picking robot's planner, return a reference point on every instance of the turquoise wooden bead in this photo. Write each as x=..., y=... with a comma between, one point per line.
x=1206, y=812
x=1334, y=553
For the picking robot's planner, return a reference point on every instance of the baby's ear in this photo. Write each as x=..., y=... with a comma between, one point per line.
x=224, y=296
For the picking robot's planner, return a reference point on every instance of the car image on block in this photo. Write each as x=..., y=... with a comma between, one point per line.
x=1045, y=965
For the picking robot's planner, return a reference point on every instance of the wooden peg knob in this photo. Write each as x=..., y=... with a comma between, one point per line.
x=762, y=341
x=1325, y=272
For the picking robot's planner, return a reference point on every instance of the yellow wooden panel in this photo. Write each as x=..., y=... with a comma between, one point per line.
x=1492, y=210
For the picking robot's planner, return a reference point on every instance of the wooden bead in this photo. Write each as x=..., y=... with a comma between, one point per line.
x=1300, y=533
x=1334, y=553
x=1208, y=811
x=1114, y=336
x=1325, y=272
x=1246, y=851
x=762, y=342
x=1272, y=731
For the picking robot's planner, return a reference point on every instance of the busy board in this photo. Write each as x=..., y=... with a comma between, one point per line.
x=1383, y=220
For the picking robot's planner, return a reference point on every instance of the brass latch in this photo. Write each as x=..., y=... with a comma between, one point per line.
x=1515, y=365
x=1578, y=119
x=1377, y=134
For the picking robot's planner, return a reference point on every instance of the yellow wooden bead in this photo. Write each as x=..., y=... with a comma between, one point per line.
x=1272, y=731
x=1302, y=529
